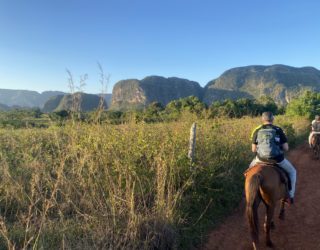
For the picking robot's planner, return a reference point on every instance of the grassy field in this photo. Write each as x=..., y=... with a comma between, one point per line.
x=127, y=186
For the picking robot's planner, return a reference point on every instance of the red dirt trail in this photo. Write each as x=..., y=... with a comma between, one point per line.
x=301, y=228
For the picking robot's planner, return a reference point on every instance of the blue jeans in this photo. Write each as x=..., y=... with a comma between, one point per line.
x=289, y=168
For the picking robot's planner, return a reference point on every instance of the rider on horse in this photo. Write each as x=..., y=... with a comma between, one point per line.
x=269, y=142
x=315, y=127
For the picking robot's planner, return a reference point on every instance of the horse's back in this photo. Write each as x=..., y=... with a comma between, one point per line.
x=264, y=170
x=270, y=180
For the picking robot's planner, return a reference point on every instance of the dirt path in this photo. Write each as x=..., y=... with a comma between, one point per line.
x=301, y=228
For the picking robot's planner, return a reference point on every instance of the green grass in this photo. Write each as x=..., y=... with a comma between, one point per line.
x=127, y=186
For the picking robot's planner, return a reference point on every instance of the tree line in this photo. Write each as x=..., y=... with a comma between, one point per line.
x=308, y=105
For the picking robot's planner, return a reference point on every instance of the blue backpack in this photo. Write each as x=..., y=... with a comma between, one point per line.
x=268, y=144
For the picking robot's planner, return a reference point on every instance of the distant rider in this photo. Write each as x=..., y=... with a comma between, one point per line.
x=315, y=127
x=268, y=142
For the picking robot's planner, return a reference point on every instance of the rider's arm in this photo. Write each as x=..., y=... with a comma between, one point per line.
x=285, y=146
x=254, y=142
x=254, y=148
x=283, y=140
x=313, y=126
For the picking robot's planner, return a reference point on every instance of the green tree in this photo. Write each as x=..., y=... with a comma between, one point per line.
x=153, y=112
x=191, y=104
x=266, y=103
x=242, y=107
x=307, y=105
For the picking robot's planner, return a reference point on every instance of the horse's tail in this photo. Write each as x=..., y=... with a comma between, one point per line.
x=252, y=196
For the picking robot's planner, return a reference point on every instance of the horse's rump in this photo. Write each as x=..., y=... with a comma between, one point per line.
x=283, y=175
x=315, y=144
x=315, y=139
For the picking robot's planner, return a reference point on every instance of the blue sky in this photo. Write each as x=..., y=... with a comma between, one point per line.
x=193, y=39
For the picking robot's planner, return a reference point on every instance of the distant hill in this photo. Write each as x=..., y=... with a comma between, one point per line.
x=26, y=98
x=88, y=102
x=4, y=107
x=107, y=97
x=135, y=93
x=281, y=82
x=52, y=103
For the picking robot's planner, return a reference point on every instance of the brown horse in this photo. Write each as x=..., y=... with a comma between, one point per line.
x=315, y=144
x=263, y=183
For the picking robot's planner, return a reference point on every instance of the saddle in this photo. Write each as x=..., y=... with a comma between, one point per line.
x=284, y=176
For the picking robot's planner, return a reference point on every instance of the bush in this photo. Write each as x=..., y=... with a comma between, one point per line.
x=307, y=105
x=242, y=107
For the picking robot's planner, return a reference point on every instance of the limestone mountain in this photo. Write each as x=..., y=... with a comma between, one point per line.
x=88, y=102
x=214, y=94
x=52, y=103
x=25, y=98
x=135, y=93
x=281, y=82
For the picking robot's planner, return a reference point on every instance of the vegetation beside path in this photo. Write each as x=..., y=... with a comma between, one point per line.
x=125, y=186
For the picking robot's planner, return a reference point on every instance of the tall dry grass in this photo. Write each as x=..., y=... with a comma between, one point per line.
x=127, y=186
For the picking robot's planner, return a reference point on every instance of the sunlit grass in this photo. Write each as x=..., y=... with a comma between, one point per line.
x=127, y=186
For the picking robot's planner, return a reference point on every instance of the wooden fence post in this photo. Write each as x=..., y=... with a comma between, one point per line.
x=192, y=142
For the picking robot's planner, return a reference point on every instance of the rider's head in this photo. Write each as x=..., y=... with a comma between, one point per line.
x=267, y=117
x=317, y=118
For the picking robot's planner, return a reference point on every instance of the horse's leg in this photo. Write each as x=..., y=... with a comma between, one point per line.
x=269, y=218
x=272, y=225
x=315, y=151
x=282, y=210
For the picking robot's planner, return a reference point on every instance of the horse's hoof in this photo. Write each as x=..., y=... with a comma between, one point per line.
x=269, y=244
